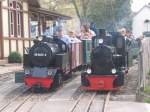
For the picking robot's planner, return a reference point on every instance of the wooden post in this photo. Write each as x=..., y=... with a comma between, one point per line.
x=1, y=34
x=145, y=58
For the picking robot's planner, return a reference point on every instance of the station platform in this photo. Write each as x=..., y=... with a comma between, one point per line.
x=117, y=106
x=113, y=106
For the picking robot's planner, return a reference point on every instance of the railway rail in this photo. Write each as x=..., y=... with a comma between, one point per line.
x=24, y=98
x=15, y=98
x=8, y=76
x=90, y=102
x=106, y=102
x=87, y=109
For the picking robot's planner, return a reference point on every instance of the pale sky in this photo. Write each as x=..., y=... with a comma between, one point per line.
x=138, y=4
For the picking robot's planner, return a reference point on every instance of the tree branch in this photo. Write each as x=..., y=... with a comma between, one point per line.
x=77, y=10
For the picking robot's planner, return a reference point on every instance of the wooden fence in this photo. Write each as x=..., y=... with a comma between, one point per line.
x=144, y=61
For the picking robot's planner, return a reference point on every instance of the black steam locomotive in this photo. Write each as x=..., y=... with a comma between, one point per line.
x=108, y=62
x=46, y=63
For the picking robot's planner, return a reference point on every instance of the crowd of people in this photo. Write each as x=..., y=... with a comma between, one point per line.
x=86, y=32
x=71, y=36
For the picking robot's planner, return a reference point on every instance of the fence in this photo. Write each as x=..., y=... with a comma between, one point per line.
x=144, y=62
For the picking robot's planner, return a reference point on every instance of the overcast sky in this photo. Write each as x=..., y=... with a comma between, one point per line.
x=138, y=4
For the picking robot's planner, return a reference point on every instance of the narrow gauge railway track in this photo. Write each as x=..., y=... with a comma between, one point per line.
x=87, y=109
x=88, y=106
x=14, y=99
x=8, y=76
x=8, y=73
x=19, y=102
x=106, y=102
x=34, y=98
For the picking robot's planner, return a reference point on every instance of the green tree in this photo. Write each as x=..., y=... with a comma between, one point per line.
x=109, y=14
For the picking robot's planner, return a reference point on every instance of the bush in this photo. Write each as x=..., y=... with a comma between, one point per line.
x=149, y=72
x=147, y=90
x=14, y=57
x=146, y=100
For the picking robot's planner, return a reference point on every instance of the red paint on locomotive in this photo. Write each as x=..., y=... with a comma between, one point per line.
x=100, y=83
x=41, y=82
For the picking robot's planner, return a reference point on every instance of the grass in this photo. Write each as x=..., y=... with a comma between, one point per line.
x=147, y=90
x=149, y=72
x=147, y=100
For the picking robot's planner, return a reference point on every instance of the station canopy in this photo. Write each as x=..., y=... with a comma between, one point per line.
x=35, y=7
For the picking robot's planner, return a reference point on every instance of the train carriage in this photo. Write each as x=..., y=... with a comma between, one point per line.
x=76, y=54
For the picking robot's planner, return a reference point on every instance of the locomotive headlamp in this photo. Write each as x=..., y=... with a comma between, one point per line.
x=100, y=41
x=40, y=38
x=52, y=72
x=113, y=71
x=89, y=71
x=27, y=71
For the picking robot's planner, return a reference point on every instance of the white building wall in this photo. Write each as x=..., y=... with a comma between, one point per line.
x=5, y=3
x=25, y=6
x=5, y=27
x=26, y=20
x=138, y=25
x=5, y=19
x=5, y=23
x=26, y=25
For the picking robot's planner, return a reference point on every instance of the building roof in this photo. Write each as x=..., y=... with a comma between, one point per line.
x=50, y=14
x=145, y=6
x=33, y=3
x=35, y=6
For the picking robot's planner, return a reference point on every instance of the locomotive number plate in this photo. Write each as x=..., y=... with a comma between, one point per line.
x=101, y=83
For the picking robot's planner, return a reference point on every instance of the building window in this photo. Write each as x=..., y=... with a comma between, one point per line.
x=19, y=26
x=11, y=23
x=16, y=19
x=11, y=16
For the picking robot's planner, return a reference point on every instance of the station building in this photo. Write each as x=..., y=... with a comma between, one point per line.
x=20, y=22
